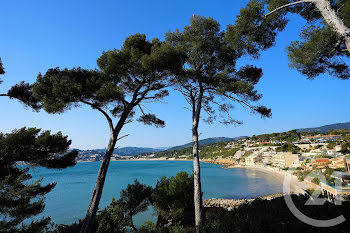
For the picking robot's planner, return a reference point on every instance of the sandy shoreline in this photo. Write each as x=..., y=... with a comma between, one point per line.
x=296, y=186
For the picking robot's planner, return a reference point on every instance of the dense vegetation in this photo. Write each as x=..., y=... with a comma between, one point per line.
x=290, y=147
x=290, y=136
x=21, y=198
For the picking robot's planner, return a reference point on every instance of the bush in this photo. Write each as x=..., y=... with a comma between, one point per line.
x=117, y=216
x=316, y=180
x=274, y=216
x=288, y=148
x=112, y=219
x=173, y=198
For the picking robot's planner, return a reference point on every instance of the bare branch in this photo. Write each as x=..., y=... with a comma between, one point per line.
x=340, y=8
x=187, y=108
x=285, y=6
x=109, y=119
x=123, y=137
x=141, y=109
x=127, y=122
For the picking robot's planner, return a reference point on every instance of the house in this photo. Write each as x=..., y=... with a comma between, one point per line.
x=337, y=163
x=320, y=162
x=322, y=138
x=335, y=151
x=313, y=153
x=338, y=148
x=307, y=166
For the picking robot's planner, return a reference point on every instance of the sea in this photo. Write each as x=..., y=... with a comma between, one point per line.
x=69, y=200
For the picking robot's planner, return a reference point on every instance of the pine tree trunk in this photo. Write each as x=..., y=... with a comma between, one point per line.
x=332, y=19
x=197, y=176
x=196, y=110
x=90, y=217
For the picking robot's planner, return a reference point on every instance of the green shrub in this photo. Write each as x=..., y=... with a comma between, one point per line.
x=173, y=197
x=316, y=180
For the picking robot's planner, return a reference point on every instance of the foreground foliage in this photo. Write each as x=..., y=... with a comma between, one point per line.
x=20, y=197
x=324, y=40
x=173, y=200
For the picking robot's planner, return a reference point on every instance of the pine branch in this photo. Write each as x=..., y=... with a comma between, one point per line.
x=284, y=6
x=109, y=119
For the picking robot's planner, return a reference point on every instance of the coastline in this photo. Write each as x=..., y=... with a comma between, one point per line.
x=230, y=204
x=296, y=186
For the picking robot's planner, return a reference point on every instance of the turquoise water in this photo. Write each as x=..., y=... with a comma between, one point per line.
x=70, y=198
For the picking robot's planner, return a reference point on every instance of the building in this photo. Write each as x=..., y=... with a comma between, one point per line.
x=250, y=160
x=336, y=163
x=267, y=157
x=238, y=154
x=321, y=138
x=347, y=163
x=320, y=162
x=286, y=160
x=334, y=193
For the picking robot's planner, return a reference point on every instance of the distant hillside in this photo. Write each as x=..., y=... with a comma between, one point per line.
x=326, y=128
x=124, y=151
x=203, y=142
x=130, y=151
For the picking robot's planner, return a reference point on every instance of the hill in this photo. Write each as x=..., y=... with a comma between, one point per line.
x=124, y=151
x=326, y=128
x=205, y=142
x=208, y=146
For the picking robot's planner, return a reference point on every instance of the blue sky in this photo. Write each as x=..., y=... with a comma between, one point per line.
x=37, y=35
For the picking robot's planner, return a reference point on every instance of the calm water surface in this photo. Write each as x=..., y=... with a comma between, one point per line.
x=70, y=198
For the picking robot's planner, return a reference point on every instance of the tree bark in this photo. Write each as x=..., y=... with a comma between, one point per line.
x=90, y=217
x=196, y=164
x=197, y=177
x=329, y=15
x=332, y=19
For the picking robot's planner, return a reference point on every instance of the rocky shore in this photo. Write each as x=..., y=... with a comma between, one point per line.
x=230, y=204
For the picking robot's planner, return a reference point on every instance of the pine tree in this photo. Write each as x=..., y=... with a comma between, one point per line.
x=127, y=78
x=22, y=92
x=209, y=81
x=21, y=198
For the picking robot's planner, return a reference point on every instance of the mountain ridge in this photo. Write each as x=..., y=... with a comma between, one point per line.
x=132, y=151
x=326, y=128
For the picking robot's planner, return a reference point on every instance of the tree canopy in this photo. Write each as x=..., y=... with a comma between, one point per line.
x=136, y=74
x=210, y=65
x=134, y=199
x=21, y=198
x=173, y=197
x=126, y=77
x=22, y=92
x=2, y=70
x=322, y=47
